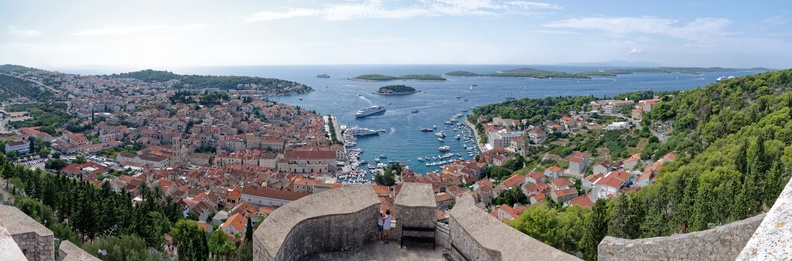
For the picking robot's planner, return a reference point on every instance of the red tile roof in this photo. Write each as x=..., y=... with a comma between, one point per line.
x=513, y=181
x=582, y=201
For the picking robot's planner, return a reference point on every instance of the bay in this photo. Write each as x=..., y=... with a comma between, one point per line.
x=403, y=141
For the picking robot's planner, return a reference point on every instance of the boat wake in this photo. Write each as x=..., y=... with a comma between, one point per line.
x=393, y=130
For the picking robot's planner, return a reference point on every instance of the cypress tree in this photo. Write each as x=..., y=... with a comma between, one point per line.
x=596, y=229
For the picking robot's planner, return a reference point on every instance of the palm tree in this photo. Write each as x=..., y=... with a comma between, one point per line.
x=144, y=190
x=157, y=192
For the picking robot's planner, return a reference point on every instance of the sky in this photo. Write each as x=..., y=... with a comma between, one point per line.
x=161, y=34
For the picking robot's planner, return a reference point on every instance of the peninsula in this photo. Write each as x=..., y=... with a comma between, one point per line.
x=395, y=90
x=385, y=78
x=265, y=86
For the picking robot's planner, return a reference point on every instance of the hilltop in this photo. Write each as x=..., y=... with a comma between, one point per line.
x=396, y=90
x=383, y=78
x=544, y=74
x=269, y=86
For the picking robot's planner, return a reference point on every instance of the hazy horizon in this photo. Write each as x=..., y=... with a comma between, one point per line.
x=152, y=34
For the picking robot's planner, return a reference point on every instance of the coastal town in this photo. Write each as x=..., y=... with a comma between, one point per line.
x=224, y=160
x=244, y=155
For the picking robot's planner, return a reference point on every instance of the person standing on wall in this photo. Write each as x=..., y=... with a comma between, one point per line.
x=380, y=221
x=386, y=226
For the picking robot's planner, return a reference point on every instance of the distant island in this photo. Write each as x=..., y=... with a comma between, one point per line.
x=266, y=86
x=396, y=90
x=543, y=74
x=384, y=78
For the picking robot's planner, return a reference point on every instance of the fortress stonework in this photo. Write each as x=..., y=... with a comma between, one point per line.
x=341, y=220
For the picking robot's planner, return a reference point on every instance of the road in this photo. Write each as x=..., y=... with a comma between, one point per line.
x=540, y=161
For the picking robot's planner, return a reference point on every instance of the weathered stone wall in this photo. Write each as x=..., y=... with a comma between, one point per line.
x=480, y=236
x=70, y=252
x=35, y=240
x=720, y=243
x=443, y=238
x=8, y=248
x=335, y=220
x=35, y=247
x=414, y=207
x=773, y=239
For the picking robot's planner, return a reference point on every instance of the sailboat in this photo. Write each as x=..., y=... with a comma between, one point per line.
x=510, y=97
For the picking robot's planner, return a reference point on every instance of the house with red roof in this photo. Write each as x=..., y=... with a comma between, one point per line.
x=235, y=224
x=553, y=172
x=86, y=168
x=535, y=177
x=483, y=189
x=629, y=164
x=505, y=212
x=602, y=167
x=578, y=164
x=582, y=201
x=608, y=185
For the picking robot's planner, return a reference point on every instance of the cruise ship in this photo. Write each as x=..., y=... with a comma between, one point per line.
x=370, y=111
x=324, y=75
x=357, y=131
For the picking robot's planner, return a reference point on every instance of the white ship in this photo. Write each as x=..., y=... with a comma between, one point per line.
x=444, y=148
x=370, y=111
x=357, y=131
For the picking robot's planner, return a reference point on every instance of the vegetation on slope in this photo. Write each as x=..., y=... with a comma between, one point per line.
x=733, y=140
x=383, y=78
x=396, y=89
x=268, y=85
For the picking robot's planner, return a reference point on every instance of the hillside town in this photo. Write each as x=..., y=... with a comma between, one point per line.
x=246, y=155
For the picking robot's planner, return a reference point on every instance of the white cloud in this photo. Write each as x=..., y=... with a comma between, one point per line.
x=698, y=29
x=135, y=29
x=635, y=51
x=776, y=20
x=14, y=31
x=266, y=16
x=364, y=9
x=555, y=32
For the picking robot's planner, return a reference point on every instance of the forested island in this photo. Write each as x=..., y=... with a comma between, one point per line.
x=268, y=86
x=524, y=72
x=544, y=74
x=396, y=90
x=384, y=78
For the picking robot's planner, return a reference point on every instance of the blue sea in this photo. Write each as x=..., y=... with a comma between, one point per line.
x=403, y=141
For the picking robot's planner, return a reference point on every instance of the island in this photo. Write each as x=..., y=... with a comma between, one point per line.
x=265, y=86
x=396, y=90
x=544, y=74
x=384, y=78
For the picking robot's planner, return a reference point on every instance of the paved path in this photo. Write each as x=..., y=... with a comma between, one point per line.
x=540, y=162
x=482, y=147
x=379, y=251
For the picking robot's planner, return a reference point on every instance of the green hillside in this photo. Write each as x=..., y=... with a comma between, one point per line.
x=268, y=85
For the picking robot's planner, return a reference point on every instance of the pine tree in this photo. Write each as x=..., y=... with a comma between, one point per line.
x=596, y=229
x=618, y=218
x=741, y=160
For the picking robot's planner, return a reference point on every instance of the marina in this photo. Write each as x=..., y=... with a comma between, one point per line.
x=402, y=140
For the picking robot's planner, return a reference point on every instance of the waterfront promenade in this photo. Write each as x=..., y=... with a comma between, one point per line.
x=482, y=147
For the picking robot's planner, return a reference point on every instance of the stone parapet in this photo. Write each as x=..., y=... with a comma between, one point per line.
x=772, y=240
x=414, y=207
x=335, y=220
x=70, y=252
x=34, y=239
x=720, y=243
x=9, y=251
x=477, y=235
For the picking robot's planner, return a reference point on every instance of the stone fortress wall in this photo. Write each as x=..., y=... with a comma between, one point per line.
x=335, y=220
x=720, y=243
x=342, y=220
x=34, y=240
